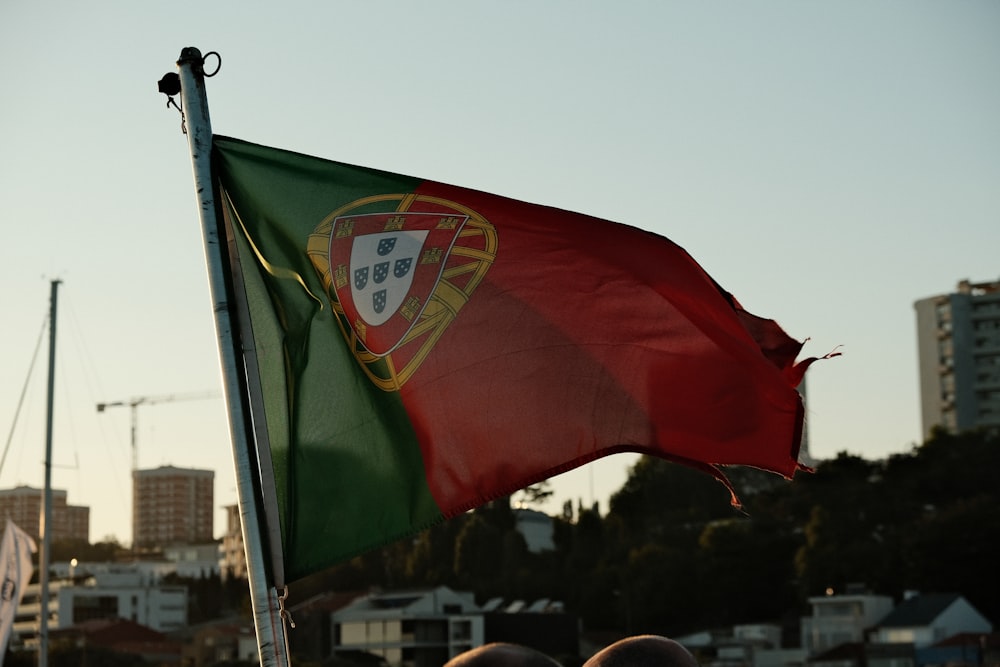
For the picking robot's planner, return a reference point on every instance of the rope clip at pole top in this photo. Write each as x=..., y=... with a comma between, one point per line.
x=170, y=83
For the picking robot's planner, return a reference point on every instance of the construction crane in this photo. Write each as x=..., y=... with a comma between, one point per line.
x=134, y=404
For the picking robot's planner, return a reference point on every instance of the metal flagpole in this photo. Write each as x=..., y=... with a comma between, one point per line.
x=271, y=640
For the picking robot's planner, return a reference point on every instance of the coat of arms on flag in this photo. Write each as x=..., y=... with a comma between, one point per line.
x=398, y=269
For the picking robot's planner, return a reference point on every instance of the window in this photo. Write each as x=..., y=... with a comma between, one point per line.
x=943, y=312
x=91, y=607
x=461, y=630
x=353, y=633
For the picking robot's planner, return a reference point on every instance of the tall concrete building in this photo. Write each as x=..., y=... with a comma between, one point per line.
x=232, y=557
x=172, y=506
x=23, y=505
x=958, y=348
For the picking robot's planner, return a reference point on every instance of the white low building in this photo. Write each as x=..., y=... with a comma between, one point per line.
x=923, y=620
x=426, y=627
x=842, y=619
x=105, y=591
x=195, y=560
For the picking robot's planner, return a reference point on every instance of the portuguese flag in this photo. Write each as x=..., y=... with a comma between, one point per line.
x=422, y=349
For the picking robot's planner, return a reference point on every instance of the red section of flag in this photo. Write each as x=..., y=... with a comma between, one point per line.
x=586, y=338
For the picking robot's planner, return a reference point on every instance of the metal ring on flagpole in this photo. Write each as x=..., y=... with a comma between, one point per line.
x=217, y=67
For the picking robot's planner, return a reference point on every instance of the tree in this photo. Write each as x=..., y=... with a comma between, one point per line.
x=535, y=494
x=83, y=551
x=662, y=500
x=431, y=558
x=957, y=549
x=659, y=591
x=478, y=552
x=747, y=570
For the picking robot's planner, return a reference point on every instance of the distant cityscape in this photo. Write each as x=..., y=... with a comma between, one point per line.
x=171, y=508
x=172, y=536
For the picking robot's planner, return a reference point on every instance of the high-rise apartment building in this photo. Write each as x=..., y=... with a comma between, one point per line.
x=172, y=506
x=23, y=505
x=233, y=558
x=958, y=348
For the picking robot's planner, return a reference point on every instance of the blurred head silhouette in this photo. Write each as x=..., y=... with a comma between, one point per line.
x=643, y=651
x=500, y=654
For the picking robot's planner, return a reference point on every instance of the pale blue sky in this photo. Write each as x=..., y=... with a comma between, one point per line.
x=828, y=163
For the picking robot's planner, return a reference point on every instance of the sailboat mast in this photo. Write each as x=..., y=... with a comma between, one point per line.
x=46, y=518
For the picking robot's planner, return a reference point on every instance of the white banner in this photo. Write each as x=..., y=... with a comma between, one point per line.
x=16, y=570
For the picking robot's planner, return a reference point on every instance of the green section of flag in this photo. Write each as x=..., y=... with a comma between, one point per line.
x=332, y=433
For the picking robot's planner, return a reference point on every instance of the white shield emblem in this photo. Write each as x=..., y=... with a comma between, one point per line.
x=382, y=272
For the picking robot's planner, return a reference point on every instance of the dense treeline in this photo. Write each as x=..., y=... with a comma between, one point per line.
x=672, y=554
